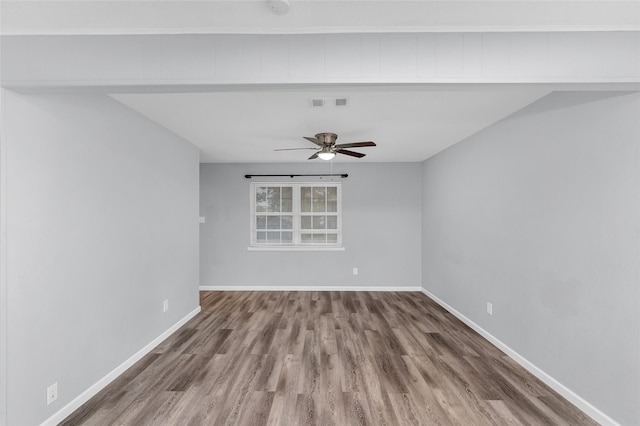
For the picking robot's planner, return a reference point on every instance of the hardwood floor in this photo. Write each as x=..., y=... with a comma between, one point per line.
x=326, y=358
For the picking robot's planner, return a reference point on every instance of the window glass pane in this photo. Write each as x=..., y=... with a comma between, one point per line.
x=332, y=193
x=261, y=199
x=306, y=238
x=261, y=237
x=287, y=199
x=261, y=222
x=273, y=198
x=305, y=222
x=319, y=238
x=319, y=199
x=332, y=238
x=287, y=222
x=273, y=237
x=273, y=222
x=287, y=237
x=305, y=199
x=332, y=199
x=332, y=222
x=319, y=222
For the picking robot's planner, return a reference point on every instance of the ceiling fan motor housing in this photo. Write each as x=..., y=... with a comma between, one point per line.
x=327, y=138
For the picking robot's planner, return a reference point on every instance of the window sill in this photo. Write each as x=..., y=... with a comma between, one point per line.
x=295, y=248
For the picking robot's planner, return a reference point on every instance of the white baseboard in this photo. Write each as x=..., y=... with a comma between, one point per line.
x=567, y=393
x=65, y=411
x=302, y=288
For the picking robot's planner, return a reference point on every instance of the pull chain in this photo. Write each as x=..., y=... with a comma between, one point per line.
x=331, y=161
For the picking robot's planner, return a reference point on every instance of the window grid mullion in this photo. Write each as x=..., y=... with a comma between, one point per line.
x=296, y=214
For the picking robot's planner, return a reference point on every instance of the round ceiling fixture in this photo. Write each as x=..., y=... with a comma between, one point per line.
x=326, y=153
x=279, y=7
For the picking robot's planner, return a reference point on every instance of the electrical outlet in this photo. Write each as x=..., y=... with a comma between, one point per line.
x=355, y=271
x=489, y=308
x=165, y=305
x=52, y=393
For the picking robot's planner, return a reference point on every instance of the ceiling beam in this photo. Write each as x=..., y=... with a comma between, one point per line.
x=327, y=59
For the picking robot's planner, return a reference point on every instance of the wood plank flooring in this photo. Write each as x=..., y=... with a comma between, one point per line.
x=326, y=358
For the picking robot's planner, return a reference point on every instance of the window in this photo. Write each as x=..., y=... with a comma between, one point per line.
x=296, y=215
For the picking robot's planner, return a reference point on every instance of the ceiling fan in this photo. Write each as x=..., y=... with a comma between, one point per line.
x=328, y=148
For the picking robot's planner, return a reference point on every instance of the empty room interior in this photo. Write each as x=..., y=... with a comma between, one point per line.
x=319, y=212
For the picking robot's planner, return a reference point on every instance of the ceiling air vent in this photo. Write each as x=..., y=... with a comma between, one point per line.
x=328, y=102
x=340, y=102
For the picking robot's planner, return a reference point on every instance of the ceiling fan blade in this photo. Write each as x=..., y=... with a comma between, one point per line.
x=313, y=157
x=351, y=153
x=355, y=144
x=314, y=140
x=291, y=149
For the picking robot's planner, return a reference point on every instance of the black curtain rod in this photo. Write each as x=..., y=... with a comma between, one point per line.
x=342, y=175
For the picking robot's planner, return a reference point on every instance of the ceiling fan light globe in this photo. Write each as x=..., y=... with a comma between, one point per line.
x=326, y=155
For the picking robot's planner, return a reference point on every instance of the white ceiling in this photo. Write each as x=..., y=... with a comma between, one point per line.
x=408, y=123
x=313, y=16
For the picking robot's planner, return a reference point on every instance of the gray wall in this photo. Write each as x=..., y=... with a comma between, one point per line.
x=101, y=227
x=374, y=195
x=539, y=214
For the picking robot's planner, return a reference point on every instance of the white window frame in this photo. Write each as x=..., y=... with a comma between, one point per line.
x=297, y=244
